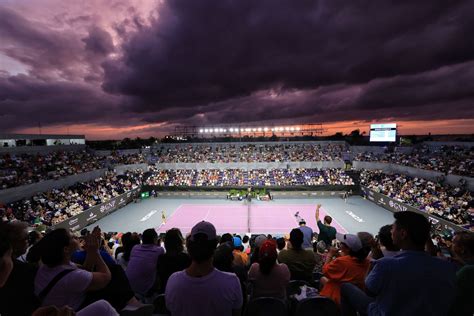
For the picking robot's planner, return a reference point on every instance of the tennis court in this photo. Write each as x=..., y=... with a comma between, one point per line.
x=273, y=217
x=244, y=217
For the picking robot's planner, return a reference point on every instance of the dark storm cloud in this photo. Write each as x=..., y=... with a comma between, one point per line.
x=45, y=51
x=25, y=101
x=99, y=42
x=445, y=93
x=199, y=52
x=210, y=62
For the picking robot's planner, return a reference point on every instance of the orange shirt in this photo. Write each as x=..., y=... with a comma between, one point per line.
x=340, y=270
x=240, y=258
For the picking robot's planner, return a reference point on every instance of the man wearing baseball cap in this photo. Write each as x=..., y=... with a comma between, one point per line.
x=349, y=264
x=409, y=283
x=201, y=289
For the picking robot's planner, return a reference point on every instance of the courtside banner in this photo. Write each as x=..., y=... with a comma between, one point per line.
x=96, y=212
x=397, y=206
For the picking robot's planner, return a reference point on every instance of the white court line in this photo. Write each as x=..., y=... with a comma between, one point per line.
x=207, y=214
x=327, y=213
x=175, y=212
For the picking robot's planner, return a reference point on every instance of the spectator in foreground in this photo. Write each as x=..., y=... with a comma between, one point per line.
x=269, y=278
x=6, y=267
x=6, y=262
x=17, y=294
x=129, y=240
x=246, y=244
x=57, y=248
x=383, y=247
x=281, y=244
x=240, y=257
x=79, y=256
x=255, y=248
x=463, y=250
x=224, y=261
x=307, y=233
x=201, y=289
x=320, y=255
x=141, y=269
x=327, y=233
x=33, y=237
x=175, y=259
x=410, y=283
x=301, y=262
x=349, y=264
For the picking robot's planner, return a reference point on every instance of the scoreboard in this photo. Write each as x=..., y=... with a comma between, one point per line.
x=383, y=132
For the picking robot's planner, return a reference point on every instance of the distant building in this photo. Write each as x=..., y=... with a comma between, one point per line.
x=19, y=143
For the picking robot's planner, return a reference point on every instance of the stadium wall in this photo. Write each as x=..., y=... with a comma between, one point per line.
x=397, y=206
x=212, y=194
x=97, y=212
x=414, y=172
x=121, y=169
x=252, y=165
x=41, y=150
x=102, y=153
x=363, y=149
x=273, y=189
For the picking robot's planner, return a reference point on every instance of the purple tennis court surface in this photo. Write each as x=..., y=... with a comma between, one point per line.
x=237, y=218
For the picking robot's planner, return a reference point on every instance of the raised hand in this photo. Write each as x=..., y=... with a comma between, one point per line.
x=92, y=243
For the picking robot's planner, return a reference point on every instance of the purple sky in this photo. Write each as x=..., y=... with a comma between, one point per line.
x=113, y=68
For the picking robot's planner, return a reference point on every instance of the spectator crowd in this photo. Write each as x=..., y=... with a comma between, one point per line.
x=446, y=159
x=454, y=204
x=404, y=270
x=54, y=206
x=22, y=169
x=253, y=177
x=250, y=153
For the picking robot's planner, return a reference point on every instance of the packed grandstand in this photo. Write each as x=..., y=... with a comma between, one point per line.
x=135, y=272
x=453, y=203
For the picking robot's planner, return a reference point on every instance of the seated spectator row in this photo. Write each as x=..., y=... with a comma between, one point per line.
x=454, y=204
x=52, y=207
x=250, y=153
x=254, y=177
x=17, y=170
x=206, y=274
x=446, y=159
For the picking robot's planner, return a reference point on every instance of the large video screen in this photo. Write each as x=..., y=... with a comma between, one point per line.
x=383, y=132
